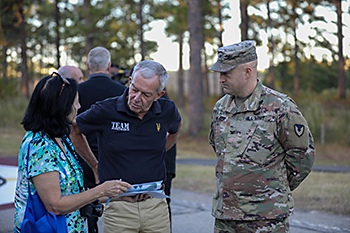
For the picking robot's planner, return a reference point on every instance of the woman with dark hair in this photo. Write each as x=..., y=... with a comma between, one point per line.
x=53, y=170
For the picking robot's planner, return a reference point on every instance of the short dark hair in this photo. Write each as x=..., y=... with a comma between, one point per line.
x=50, y=105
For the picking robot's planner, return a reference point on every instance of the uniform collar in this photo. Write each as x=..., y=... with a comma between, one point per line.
x=250, y=104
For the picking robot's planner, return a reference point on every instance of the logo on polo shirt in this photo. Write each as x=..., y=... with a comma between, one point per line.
x=120, y=126
x=158, y=126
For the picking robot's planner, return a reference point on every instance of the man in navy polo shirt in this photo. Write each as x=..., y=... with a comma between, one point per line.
x=98, y=87
x=134, y=132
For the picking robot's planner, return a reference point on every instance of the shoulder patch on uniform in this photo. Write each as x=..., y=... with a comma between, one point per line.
x=299, y=129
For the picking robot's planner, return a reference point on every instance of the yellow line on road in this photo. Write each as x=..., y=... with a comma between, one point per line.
x=10, y=179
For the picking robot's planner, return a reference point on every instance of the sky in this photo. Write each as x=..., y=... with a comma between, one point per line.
x=167, y=53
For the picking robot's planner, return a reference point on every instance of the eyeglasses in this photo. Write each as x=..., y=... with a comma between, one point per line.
x=65, y=81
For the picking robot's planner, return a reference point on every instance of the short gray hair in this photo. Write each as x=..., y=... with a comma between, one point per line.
x=98, y=59
x=149, y=69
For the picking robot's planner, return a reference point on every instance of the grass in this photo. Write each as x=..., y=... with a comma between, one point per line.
x=326, y=192
x=12, y=111
x=194, y=147
x=195, y=178
x=333, y=154
x=10, y=140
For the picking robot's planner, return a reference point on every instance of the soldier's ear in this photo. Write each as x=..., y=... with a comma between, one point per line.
x=247, y=71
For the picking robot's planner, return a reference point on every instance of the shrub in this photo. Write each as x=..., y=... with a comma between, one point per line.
x=12, y=111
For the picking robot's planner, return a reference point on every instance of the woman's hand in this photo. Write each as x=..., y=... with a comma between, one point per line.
x=113, y=188
x=49, y=190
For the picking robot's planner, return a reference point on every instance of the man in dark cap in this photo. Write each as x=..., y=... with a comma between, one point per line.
x=264, y=147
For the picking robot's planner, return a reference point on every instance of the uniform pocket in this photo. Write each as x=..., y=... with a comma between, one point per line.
x=239, y=136
x=262, y=143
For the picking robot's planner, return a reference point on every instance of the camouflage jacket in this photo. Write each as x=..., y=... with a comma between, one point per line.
x=264, y=149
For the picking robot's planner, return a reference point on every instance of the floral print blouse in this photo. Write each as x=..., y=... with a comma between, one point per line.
x=46, y=156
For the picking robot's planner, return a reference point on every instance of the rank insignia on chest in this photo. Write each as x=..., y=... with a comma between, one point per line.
x=299, y=129
x=158, y=126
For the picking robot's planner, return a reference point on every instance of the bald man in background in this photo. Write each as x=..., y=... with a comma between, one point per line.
x=71, y=72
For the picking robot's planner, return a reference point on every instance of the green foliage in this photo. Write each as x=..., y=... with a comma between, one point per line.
x=314, y=76
x=9, y=89
x=8, y=23
x=175, y=14
x=338, y=126
x=327, y=110
x=314, y=115
x=112, y=24
x=323, y=76
x=284, y=76
x=204, y=129
x=12, y=110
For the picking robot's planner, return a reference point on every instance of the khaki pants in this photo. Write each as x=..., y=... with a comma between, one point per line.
x=150, y=215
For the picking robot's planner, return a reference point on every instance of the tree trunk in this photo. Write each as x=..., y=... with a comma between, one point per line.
x=195, y=97
x=341, y=73
x=296, y=50
x=23, y=37
x=270, y=79
x=221, y=30
x=4, y=65
x=57, y=18
x=89, y=35
x=142, y=43
x=205, y=77
x=180, y=77
x=244, y=19
x=41, y=52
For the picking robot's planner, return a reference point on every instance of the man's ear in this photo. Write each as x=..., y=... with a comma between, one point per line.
x=248, y=71
x=87, y=66
x=160, y=94
x=109, y=66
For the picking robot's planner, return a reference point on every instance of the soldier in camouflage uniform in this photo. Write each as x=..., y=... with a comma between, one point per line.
x=263, y=145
